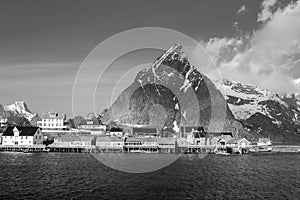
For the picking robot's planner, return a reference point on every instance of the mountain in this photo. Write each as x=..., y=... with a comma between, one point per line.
x=19, y=109
x=172, y=93
x=262, y=112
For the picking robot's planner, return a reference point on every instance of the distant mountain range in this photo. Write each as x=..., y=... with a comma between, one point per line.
x=18, y=112
x=262, y=112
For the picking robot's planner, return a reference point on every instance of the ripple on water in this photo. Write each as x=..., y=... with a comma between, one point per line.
x=81, y=176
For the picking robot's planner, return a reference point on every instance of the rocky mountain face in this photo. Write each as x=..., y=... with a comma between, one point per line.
x=18, y=112
x=172, y=93
x=262, y=112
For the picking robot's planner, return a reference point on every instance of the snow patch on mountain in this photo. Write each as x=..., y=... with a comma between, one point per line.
x=175, y=128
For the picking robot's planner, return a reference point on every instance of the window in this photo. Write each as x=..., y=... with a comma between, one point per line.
x=29, y=141
x=26, y=137
x=21, y=137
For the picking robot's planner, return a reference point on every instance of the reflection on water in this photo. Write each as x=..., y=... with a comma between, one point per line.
x=81, y=176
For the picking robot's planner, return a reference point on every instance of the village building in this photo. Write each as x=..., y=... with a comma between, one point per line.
x=141, y=144
x=110, y=142
x=115, y=132
x=196, y=138
x=264, y=142
x=149, y=142
x=220, y=140
x=25, y=136
x=144, y=132
x=132, y=142
x=182, y=142
x=166, y=142
x=216, y=134
x=91, y=125
x=240, y=145
x=3, y=122
x=52, y=122
x=73, y=141
x=188, y=130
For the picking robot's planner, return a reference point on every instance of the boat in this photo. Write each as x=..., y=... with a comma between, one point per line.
x=264, y=149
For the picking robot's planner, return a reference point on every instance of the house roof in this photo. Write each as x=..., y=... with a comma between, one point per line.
x=23, y=131
x=166, y=140
x=109, y=139
x=68, y=138
x=199, y=134
x=53, y=115
x=148, y=139
x=215, y=134
x=226, y=137
x=86, y=138
x=90, y=122
x=115, y=129
x=236, y=141
x=133, y=139
x=136, y=131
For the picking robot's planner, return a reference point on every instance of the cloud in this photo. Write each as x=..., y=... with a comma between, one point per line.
x=242, y=10
x=269, y=57
x=266, y=13
x=297, y=81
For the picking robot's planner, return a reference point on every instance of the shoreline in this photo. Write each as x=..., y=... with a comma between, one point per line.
x=97, y=149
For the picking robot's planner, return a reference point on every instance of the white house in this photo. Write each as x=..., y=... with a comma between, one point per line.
x=52, y=122
x=3, y=122
x=27, y=136
x=239, y=143
x=90, y=124
x=264, y=142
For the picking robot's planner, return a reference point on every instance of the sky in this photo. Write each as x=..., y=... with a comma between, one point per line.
x=44, y=43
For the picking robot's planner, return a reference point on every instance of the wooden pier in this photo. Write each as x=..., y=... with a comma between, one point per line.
x=21, y=148
x=73, y=149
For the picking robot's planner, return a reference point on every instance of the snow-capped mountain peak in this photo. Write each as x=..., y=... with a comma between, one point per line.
x=175, y=52
x=245, y=100
x=20, y=107
x=260, y=109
